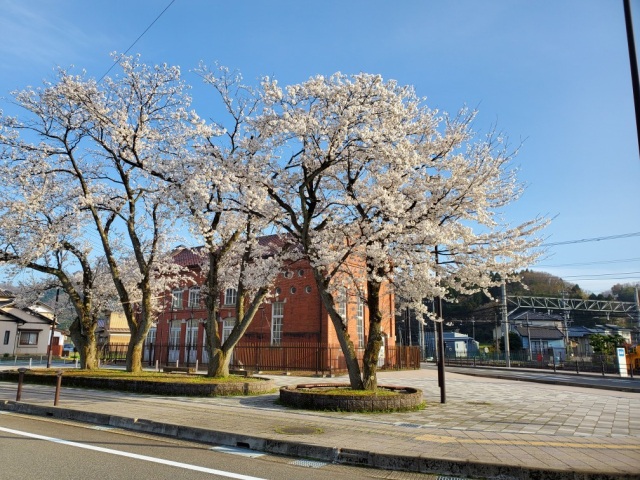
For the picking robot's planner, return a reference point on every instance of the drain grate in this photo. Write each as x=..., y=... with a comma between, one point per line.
x=450, y=478
x=103, y=428
x=308, y=463
x=410, y=425
x=298, y=430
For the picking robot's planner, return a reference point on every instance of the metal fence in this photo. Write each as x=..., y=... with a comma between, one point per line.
x=605, y=364
x=291, y=357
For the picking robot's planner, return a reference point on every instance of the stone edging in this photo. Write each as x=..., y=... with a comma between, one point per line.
x=176, y=388
x=407, y=399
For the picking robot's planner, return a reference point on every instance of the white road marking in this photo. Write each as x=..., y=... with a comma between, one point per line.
x=131, y=455
x=237, y=451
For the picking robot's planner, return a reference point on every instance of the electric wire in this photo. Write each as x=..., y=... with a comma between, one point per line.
x=581, y=264
x=136, y=41
x=596, y=239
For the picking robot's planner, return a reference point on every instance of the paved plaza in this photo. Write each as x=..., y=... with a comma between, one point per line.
x=488, y=427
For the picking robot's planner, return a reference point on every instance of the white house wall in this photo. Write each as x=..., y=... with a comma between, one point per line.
x=10, y=327
x=19, y=322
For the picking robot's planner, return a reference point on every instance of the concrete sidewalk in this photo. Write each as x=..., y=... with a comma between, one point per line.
x=488, y=427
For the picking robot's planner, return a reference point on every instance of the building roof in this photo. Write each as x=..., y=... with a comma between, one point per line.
x=540, y=333
x=194, y=256
x=579, y=332
x=534, y=316
x=190, y=256
x=23, y=315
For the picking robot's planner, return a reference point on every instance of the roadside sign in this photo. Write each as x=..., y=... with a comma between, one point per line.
x=622, y=362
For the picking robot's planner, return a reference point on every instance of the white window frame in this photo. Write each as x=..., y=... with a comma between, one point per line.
x=342, y=304
x=174, y=335
x=360, y=323
x=191, y=333
x=277, y=315
x=7, y=337
x=227, y=327
x=176, y=299
x=194, y=297
x=151, y=335
x=230, y=296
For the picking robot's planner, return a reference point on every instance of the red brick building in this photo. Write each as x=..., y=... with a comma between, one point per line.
x=291, y=323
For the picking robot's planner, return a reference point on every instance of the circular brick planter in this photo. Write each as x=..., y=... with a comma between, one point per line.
x=312, y=397
x=241, y=387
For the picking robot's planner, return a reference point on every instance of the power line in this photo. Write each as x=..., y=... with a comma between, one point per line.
x=613, y=279
x=601, y=262
x=601, y=275
x=136, y=40
x=596, y=239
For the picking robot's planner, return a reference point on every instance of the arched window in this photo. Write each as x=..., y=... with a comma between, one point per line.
x=230, y=296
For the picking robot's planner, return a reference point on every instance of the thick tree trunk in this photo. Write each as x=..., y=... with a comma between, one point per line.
x=348, y=350
x=212, y=343
x=374, y=341
x=84, y=339
x=219, y=363
x=135, y=352
x=138, y=327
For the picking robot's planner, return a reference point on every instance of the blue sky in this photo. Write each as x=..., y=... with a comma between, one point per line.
x=552, y=74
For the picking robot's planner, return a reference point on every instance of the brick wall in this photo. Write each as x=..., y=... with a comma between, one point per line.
x=305, y=320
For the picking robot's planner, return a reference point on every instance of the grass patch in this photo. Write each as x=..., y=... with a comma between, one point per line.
x=346, y=391
x=107, y=374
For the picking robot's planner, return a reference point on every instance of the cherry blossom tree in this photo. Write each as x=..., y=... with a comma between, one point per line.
x=41, y=230
x=211, y=181
x=85, y=136
x=368, y=171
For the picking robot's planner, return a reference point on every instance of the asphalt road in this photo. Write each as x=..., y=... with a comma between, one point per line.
x=37, y=448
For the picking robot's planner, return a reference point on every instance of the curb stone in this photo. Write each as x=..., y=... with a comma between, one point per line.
x=410, y=463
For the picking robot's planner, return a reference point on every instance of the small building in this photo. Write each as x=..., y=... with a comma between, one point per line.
x=456, y=345
x=579, y=337
x=579, y=341
x=26, y=331
x=542, y=342
x=113, y=329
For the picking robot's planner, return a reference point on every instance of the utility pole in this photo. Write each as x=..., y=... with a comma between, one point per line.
x=421, y=340
x=638, y=307
x=633, y=63
x=505, y=325
x=565, y=315
x=440, y=342
x=473, y=328
x=529, y=338
x=53, y=328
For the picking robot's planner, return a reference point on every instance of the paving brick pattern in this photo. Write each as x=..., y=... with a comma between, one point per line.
x=491, y=422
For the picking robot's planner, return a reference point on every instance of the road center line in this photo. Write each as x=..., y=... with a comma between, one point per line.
x=131, y=455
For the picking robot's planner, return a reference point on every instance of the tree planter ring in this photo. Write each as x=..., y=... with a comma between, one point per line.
x=312, y=397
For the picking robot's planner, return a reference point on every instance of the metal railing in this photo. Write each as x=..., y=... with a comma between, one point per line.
x=299, y=357
x=604, y=364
